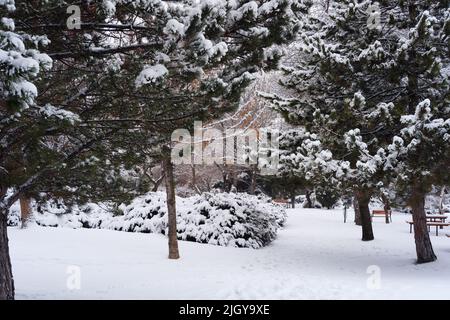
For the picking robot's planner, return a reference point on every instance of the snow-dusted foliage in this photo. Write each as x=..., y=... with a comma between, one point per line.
x=20, y=61
x=164, y=64
x=232, y=219
x=354, y=86
x=151, y=74
x=225, y=219
x=14, y=215
x=420, y=155
x=371, y=103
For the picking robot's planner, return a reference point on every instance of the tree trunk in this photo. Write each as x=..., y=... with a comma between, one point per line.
x=293, y=200
x=171, y=209
x=386, y=206
x=308, y=199
x=224, y=177
x=226, y=183
x=6, y=277
x=253, y=181
x=25, y=210
x=441, y=201
x=233, y=178
x=424, y=247
x=194, y=179
x=357, y=212
x=363, y=197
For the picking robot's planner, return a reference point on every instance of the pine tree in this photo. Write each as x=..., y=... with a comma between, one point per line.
x=20, y=63
x=419, y=153
x=364, y=71
x=127, y=77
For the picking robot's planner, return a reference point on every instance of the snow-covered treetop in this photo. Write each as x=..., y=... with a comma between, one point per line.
x=20, y=60
x=360, y=76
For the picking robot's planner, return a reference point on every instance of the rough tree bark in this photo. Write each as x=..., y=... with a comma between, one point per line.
x=171, y=208
x=357, y=212
x=25, y=210
x=363, y=197
x=6, y=276
x=424, y=248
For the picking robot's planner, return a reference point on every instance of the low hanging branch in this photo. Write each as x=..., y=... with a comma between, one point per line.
x=7, y=202
x=103, y=51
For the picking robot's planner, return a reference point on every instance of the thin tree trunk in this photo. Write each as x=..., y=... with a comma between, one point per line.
x=357, y=212
x=194, y=179
x=308, y=199
x=25, y=210
x=233, y=178
x=171, y=209
x=363, y=197
x=253, y=181
x=386, y=207
x=293, y=200
x=424, y=248
x=441, y=201
x=6, y=276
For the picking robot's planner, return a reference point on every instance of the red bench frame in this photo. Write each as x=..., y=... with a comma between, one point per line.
x=382, y=213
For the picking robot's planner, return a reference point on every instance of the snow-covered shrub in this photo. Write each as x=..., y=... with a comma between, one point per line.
x=55, y=213
x=14, y=215
x=231, y=219
x=225, y=219
x=145, y=214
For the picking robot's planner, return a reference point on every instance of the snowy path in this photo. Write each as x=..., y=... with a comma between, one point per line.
x=316, y=256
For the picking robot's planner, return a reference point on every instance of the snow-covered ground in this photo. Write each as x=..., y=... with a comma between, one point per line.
x=316, y=256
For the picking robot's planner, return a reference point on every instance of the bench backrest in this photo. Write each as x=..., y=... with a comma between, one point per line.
x=379, y=212
x=284, y=201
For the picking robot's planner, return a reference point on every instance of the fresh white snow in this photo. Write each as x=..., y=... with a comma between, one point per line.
x=316, y=256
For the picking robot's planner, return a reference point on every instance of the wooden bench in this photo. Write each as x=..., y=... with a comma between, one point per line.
x=283, y=202
x=429, y=225
x=438, y=225
x=382, y=213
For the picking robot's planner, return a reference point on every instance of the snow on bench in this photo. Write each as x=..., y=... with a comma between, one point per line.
x=283, y=202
